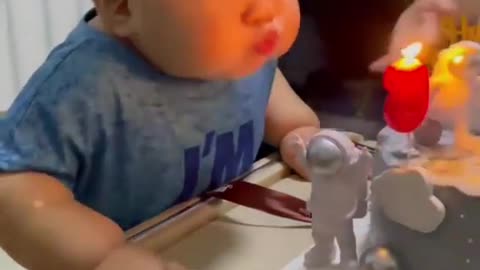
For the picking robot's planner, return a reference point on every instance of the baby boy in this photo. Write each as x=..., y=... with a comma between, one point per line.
x=146, y=104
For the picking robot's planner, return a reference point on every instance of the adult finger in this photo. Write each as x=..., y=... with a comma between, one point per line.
x=444, y=7
x=381, y=64
x=427, y=32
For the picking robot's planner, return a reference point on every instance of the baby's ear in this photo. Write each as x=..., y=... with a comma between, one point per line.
x=116, y=16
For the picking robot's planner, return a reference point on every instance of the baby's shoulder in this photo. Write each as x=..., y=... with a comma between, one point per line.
x=82, y=69
x=87, y=63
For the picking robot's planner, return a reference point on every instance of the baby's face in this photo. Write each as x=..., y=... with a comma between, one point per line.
x=213, y=39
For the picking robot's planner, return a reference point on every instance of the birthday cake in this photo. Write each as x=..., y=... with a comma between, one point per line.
x=424, y=195
x=425, y=209
x=425, y=215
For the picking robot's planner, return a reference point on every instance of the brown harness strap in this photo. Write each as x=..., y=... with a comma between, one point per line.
x=264, y=199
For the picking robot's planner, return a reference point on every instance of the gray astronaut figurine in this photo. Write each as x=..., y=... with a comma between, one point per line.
x=339, y=172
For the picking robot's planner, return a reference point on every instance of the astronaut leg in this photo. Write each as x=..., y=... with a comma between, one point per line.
x=323, y=252
x=347, y=243
x=362, y=203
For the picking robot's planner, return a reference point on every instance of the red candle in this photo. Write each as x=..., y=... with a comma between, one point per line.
x=407, y=84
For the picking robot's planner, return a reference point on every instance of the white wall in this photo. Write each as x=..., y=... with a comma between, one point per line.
x=28, y=31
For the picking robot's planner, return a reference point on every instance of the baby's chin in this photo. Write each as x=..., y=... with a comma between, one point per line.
x=236, y=72
x=243, y=72
x=253, y=66
x=218, y=69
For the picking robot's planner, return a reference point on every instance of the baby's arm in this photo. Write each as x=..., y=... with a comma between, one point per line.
x=290, y=123
x=43, y=228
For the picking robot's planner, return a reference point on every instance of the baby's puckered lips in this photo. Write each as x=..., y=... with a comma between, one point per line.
x=269, y=42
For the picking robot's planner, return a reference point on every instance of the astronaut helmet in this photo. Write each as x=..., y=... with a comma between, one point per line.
x=329, y=152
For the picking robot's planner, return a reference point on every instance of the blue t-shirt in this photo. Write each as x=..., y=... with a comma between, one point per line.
x=129, y=141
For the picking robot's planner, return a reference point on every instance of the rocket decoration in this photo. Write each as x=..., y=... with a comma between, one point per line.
x=407, y=84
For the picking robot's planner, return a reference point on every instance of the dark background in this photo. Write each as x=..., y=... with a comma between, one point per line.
x=328, y=64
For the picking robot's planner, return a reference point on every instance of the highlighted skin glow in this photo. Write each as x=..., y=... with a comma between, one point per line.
x=38, y=204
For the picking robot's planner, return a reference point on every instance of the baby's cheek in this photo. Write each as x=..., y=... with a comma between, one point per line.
x=290, y=25
x=223, y=52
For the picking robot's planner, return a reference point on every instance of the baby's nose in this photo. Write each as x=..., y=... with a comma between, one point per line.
x=260, y=12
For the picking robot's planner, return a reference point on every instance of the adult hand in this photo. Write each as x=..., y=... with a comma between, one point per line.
x=418, y=23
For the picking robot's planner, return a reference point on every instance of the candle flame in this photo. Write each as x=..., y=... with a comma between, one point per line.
x=412, y=51
x=458, y=59
x=409, y=60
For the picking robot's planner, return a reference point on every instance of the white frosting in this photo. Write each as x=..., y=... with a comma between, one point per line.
x=462, y=174
x=405, y=198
